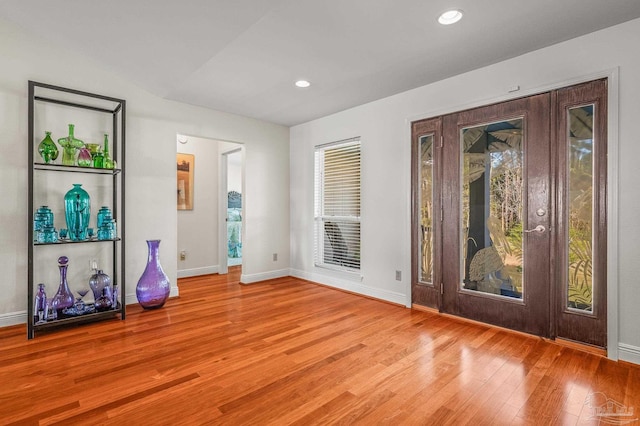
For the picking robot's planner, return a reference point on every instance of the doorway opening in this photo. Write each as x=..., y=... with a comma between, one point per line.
x=231, y=206
x=234, y=207
x=202, y=178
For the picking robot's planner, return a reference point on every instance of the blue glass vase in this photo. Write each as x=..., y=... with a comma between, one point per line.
x=77, y=209
x=153, y=286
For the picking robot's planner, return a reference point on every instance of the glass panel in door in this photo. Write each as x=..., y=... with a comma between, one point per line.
x=492, y=208
x=425, y=202
x=580, y=208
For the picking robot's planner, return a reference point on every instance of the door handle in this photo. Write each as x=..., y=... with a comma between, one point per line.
x=539, y=228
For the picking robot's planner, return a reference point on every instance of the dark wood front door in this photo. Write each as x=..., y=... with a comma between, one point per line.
x=496, y=195
x=509, y=214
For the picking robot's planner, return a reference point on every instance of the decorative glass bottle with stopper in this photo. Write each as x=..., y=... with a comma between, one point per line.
x=63, y=298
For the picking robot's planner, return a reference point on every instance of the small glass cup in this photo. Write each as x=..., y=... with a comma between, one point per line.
x=90, y=233
x=63, y=233
x=50, y=312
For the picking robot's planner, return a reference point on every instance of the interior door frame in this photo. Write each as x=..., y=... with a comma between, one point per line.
x=613, y=96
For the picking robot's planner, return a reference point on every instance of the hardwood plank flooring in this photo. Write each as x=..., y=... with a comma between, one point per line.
x=288, y=351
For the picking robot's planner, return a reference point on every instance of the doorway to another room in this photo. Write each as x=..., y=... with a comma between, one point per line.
x=234, y=207
x=209, y=204
x=231, y=206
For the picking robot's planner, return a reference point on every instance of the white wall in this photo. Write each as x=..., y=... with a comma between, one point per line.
x=386, y=191
x=234, y=172
x=152, y=125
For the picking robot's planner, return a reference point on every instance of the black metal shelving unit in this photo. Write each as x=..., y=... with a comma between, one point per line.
x=116, y=108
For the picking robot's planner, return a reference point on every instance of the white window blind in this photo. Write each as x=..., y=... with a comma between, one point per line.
x=337, y=205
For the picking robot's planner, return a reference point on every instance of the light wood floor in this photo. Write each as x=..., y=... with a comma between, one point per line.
x=290, y=352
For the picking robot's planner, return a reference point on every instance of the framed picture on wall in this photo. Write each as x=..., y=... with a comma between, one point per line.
x=185, y=164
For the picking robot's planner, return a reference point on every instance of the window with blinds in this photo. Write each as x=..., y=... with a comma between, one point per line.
x=337, y=205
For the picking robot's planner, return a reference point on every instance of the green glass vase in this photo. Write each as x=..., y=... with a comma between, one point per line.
x=98, y=159
x=70, y=145
x=108, y=162
x=48, y=149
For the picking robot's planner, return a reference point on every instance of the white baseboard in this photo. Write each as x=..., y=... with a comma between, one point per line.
x=353, y=286
x=13, y=318
x=629, y=353
x=263, y=276
x=194, y=272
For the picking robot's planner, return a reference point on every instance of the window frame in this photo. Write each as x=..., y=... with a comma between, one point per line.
x=338, y=236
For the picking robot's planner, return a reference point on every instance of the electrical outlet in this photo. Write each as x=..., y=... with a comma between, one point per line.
x=398, y=276
x=183, y=254
x=275, y=257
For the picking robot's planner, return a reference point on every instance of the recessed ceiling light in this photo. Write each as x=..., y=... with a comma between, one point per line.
x=302, y=83
x=450, y=17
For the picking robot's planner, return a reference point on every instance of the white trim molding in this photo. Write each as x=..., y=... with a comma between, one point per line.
x=194, y=272
x=263, y=276
x=13, y=318
x=629, y=353
x=351, y=286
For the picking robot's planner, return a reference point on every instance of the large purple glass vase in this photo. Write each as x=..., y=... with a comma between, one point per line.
x=153, y=286
x=63, y=298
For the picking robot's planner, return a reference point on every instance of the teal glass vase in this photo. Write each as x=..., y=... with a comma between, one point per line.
x=77, y=209
x=70, y=145
x=48, y=149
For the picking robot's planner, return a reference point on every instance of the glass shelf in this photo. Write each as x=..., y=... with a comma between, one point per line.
x=67, y=241
x=75, y=169
x=93, y=316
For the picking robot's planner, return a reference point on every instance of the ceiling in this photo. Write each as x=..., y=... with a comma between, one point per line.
x=243, y=56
